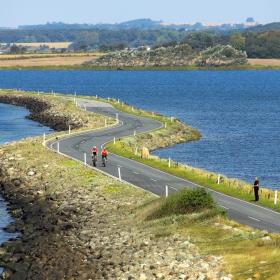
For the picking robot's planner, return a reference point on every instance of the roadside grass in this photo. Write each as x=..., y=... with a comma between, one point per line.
x=245, y=254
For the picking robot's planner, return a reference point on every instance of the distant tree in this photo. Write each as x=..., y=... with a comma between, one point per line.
x=238, y=41
x=199, y=40
x=14, y=49
x=263, y=45
x=85, y=41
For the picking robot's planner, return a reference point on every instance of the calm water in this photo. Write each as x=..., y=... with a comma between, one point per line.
x=236, y=111
x=14, y=126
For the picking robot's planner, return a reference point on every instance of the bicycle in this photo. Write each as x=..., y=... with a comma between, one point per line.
x=104, y=161
x=94, y=160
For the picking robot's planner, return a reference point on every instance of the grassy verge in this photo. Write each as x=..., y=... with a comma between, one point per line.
x=193, y=214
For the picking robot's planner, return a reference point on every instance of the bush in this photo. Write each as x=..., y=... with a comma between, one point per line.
x=221, y=56
x=184, y=202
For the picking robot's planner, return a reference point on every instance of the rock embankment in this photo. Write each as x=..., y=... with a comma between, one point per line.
x=172, y=56
x=57, y=113
x=42, y=111
x=77, y=228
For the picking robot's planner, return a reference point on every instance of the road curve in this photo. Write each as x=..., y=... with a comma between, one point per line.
x=148, y=178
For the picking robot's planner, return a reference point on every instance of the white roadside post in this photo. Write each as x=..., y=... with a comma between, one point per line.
x=172, y=119
x=165, y=125
x=275, y=197
x=114, y=140
x=166, y=191
x=44, y=139
x=134, y=133
x=118, y=101
x=85, y=107
x=219, y=179
x=119, y=172
x=85, y=159
x=117, y=117
x=96, y=96
x=69, y=129
x=169, y=162
x=108, y=98
x=57, y=146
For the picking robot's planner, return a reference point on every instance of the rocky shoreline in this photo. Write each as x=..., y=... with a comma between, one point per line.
x=40, y=111
x=78, y=224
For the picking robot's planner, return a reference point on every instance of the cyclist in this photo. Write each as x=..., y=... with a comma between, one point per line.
x=94, y=152
x=104, y=155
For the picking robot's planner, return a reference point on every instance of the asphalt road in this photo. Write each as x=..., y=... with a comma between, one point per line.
x=148, y=178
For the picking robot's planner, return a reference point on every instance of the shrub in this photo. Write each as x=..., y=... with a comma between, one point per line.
x=185, y=201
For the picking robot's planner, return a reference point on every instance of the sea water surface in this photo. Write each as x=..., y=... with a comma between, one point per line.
x=237, y=112
x=14, y=126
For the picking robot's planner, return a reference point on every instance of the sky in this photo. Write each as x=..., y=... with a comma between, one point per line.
x=24, y=12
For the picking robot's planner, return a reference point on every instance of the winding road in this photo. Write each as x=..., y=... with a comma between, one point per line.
x=148, y=178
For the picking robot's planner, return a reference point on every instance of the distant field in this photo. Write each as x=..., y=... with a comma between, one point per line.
x=55, y=45
x=45, y=55
x=41, y=60
x=265, y=62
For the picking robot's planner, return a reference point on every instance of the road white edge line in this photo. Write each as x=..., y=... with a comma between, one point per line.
x=252, y=218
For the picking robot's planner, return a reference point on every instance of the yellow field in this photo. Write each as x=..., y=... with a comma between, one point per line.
x=55, y=45
x=264, y=62
x=42, y=60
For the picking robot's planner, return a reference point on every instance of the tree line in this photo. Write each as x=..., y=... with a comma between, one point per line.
x=258, y=43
